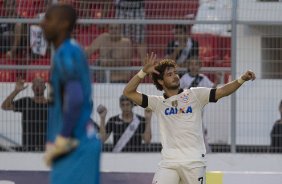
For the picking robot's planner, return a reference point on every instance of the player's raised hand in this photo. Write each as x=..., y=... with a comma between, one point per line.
x=102, y=111
x=20, y=85
x=150, y=63
x=248, y=75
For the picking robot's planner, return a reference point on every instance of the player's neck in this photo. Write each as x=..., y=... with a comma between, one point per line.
x=60, y=40
x=193, y=74
x=127, y=117
x=39, y=99
x=171, y=92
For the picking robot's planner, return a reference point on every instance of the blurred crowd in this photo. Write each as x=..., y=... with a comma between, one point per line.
x=109, y=45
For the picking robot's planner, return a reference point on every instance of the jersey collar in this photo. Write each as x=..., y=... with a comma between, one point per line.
x=179, y=91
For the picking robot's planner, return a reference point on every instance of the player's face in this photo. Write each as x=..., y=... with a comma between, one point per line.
x=51, y=25
x=171, y=79
x=179, y=34
x=38, y=87
x=126, y=106
x=194, y=67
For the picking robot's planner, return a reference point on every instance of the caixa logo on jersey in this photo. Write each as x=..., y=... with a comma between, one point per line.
x=175, y=110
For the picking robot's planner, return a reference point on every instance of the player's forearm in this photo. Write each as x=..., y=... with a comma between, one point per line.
x=130, y=90
x=72, y=107
x=8, y=102
x=227, y=89
x=147, y=136
x=103, y=133
x=94, y=46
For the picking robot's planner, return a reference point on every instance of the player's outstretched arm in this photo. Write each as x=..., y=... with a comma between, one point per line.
x=147, y=135
x=95, y=45
x=231, y=87
x=8, y=102
x=130, y=89
x=102, y=111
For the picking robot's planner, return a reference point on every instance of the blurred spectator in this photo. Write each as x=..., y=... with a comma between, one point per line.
x=38, y=44
x=128, y=128
x=183, y=47
x=276, y=133
x=128, y=9
x=20, y=39
x=34, y=113
x=10, y=32
x=193, y=78
x=114, y=51
x=24, y=33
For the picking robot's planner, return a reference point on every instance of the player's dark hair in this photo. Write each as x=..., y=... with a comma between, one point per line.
x=181, y=26
x=67, y=12
x=161, y=67
x=124, y=98
x=194, y=58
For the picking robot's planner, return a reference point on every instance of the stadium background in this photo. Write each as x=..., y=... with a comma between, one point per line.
x=234, y=35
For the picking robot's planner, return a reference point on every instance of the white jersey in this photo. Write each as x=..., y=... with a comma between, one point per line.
x=180, y=118
x=186, y=81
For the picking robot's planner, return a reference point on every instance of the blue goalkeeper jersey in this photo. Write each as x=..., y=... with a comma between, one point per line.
x=69, y=64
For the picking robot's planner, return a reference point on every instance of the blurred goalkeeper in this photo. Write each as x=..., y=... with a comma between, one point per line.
x=73, y=149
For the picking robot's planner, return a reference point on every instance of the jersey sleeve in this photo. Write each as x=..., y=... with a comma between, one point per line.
x=70, y=70
x=67, y=67
x=150, y=101
x=202, y=94
x=73, y=101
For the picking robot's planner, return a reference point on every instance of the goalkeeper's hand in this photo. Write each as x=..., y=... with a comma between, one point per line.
x=61, y=146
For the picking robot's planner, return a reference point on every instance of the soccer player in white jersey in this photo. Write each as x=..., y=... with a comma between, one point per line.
x=179, y=114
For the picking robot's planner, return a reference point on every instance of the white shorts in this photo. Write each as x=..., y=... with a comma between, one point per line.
x=180, y=174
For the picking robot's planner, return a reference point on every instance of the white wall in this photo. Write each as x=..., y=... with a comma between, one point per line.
x=252, y=10
x=257, y=102
x=256, y=111
x=148, y=162
x=108, y=95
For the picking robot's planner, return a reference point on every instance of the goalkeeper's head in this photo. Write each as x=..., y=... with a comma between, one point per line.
x=59, y=21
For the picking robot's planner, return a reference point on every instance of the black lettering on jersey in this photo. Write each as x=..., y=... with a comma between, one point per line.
x=201, y=180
